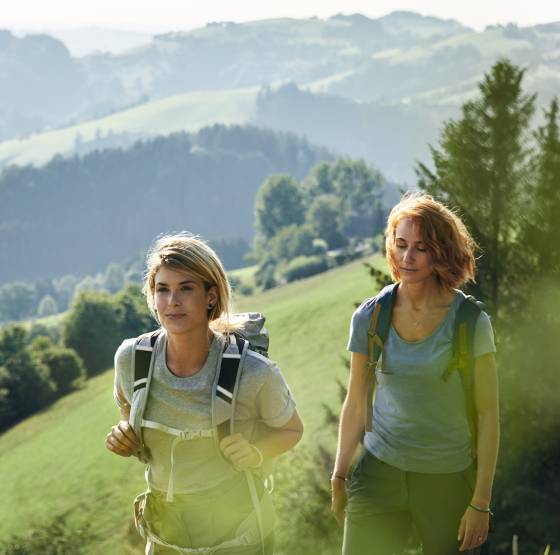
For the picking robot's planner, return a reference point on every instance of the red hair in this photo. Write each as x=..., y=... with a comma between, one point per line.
x=445, y=237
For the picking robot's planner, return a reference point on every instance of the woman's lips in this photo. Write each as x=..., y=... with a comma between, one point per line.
x=174, y=316
x=409, y=270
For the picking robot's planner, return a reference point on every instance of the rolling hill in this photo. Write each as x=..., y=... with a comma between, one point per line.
x=56, y=461
x=187, y=112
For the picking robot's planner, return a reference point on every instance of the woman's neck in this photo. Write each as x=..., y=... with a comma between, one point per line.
x=187, y=353
x=418, y=296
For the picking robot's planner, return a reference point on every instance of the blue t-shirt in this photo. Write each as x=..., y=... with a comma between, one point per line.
x=419, y=420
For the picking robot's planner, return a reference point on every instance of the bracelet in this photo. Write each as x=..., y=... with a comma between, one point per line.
x=333, y=475
x=481, y=510
x=259, y=453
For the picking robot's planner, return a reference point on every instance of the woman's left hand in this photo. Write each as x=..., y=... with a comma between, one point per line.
x=473, y=530
x=239, y=452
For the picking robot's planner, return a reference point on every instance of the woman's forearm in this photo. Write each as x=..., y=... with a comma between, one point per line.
x=488, y=441
x=282, y=439
x=352, y=423
x=277, y=442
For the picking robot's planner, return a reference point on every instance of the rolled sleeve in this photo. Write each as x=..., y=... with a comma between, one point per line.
x=483, y=336
x=275, y=403
x=123, y=375
x=359, y=327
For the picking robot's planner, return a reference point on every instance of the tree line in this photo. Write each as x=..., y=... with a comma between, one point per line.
x=47, y=296
x=39, y=365
x=76, y=215
x=298, y=223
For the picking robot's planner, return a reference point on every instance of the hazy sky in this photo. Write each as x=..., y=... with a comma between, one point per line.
x=166, y=15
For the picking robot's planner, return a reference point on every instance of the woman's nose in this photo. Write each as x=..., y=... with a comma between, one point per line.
x=408, y=255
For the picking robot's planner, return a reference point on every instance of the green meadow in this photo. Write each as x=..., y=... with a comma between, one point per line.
x=56, y=461
x=184, y=112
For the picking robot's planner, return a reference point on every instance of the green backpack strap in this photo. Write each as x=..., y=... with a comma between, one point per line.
x=463, y=359
x=377, y=333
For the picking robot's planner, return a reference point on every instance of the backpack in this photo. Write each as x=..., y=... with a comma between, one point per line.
x=252, y=336
x=463, y=349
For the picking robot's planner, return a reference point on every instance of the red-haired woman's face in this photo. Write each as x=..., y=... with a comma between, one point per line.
x=411, y=258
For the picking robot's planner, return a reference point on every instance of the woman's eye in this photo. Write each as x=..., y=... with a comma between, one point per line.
x=161, y=290
x=421, y=250
x=401, y=246
x=186, y=288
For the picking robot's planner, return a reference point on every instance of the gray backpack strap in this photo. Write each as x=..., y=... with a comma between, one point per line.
x=226, y=385
x=142, y=364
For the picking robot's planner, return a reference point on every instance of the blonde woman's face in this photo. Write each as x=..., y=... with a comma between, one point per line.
x=181, y=301
x=411, y=258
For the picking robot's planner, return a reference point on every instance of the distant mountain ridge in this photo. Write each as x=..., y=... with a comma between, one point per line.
x=414, y=68
x=42, y=84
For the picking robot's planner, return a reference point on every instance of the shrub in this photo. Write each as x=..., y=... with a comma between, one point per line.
x=305, y=266
x=91, y=329
x=66, y=367
x=97, y=324
x=39, y=329
x=54, y=537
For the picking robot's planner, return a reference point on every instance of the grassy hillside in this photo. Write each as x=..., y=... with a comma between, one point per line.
x=57, y=461
x=185, y=112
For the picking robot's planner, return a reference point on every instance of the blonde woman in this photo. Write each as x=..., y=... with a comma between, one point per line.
x=416, y=464
x=197, y=499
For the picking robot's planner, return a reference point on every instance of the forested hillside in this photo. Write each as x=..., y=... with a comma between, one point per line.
x=77, y=215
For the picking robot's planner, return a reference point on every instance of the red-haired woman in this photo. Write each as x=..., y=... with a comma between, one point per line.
x=416, y=464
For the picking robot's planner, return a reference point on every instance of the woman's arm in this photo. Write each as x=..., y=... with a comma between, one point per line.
x=474, y=524
x=277, y=441
x=352, y=422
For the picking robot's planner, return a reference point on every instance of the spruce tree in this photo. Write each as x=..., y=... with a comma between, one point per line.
x=543, y=225
x=483, y=168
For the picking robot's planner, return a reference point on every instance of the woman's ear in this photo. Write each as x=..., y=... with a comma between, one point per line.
x=213, y=295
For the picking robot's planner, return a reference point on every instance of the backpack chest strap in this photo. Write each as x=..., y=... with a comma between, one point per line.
x=180, y=435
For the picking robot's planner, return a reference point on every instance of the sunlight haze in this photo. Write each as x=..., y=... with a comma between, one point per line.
x=170, y=15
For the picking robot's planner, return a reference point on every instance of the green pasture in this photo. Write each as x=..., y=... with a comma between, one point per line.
x=56, y=460
x=184, y=112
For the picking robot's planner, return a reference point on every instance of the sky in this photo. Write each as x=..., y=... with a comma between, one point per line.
x=159, y=16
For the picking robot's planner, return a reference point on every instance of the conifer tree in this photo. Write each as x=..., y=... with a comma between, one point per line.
x=543, y=226
x=483, y=168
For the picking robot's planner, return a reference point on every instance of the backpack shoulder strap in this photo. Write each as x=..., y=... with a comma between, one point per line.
x=226, y=386
x=143, y=349
x=377, y=333
x=142, y=364
x=463, y=358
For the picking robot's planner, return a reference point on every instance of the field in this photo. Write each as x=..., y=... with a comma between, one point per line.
x=56, y=461
x=185, y=112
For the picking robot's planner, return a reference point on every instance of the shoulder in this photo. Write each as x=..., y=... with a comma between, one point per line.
x=257, y=367
x=125, y=350
x=364, y=311
x=259, y=370
x=123, y=356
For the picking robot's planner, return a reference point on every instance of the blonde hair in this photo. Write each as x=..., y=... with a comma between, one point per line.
x=190, y=255
x=445, y=237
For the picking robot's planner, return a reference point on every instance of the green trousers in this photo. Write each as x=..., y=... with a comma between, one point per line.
x=206, y=518
x=384, y=502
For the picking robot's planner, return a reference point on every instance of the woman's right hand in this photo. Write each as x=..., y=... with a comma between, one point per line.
x=339, y=499
x=122, y=440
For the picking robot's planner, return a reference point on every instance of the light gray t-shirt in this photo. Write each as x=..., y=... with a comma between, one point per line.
x=264, y=399
x=419, y=420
